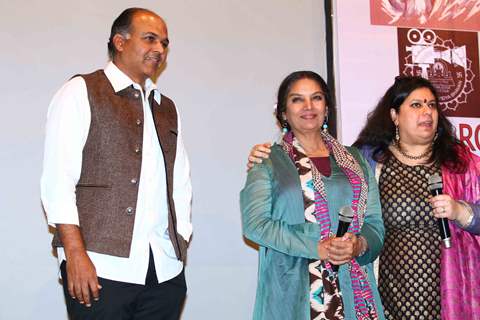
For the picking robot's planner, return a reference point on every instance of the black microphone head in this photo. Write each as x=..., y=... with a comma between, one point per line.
x=435, y=182
x=346, y=214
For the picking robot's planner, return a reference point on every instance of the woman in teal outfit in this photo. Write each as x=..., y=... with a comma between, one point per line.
x=290, y=207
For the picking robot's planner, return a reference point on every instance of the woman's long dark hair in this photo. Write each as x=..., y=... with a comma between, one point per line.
x=379, y=131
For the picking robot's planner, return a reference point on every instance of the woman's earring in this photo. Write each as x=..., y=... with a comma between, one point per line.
x=397, y=134
x=325, y=122
x=284, y=127
x=325, y=126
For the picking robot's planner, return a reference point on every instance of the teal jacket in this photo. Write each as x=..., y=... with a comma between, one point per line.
x=273, y=217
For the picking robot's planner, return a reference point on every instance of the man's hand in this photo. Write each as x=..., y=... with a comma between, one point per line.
x=82, y=276
x=258, y=153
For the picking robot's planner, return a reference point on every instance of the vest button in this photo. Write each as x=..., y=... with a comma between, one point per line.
x=137, y=149
x=133, y=181
x=129, y=211
x=138, y=122
x=136, y=95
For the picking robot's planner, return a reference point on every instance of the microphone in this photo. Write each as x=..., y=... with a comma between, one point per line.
x=435, y=185
x=345, y=217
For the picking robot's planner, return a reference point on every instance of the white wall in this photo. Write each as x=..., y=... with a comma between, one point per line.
x=366, y=64
x=226, y=61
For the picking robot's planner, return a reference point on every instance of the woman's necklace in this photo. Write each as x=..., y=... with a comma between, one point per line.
x=424, y=155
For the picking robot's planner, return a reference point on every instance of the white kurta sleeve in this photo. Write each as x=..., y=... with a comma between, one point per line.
x=68, y=122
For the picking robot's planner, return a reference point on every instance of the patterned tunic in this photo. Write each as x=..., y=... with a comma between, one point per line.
x=409, y=270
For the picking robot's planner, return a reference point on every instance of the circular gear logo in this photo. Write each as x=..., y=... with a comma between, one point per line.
x=444, y=62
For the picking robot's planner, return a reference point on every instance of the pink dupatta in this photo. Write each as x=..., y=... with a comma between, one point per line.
x=460, y=265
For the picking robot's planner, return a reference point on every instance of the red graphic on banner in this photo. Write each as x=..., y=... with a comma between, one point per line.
x=468, y=131
x=449, y=59
x=469, y=135
x=436, y=14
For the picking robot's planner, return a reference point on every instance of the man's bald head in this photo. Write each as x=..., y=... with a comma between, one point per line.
x=123, y=24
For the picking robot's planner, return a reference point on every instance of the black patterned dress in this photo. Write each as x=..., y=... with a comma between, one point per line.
x=409, y=270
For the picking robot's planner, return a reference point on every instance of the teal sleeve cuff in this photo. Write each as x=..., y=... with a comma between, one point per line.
x=375, y=244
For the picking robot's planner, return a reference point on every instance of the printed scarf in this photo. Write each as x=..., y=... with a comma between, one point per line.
x=316, y=210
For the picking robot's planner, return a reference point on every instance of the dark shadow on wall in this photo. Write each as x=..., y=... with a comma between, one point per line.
x=332, y=120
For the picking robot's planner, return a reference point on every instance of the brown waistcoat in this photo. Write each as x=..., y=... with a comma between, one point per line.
x=112, y=156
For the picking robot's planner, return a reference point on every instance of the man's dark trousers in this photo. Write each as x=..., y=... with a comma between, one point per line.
x=127, y=301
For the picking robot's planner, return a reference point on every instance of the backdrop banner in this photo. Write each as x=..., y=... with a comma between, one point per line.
x=437, y=40
x=437, y=14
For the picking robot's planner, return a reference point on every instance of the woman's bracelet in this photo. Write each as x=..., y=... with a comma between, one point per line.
x=363, y=244
x=470, y=215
